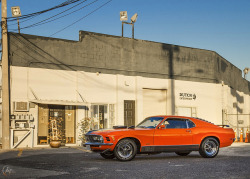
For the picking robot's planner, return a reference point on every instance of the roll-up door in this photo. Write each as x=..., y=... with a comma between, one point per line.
x=154, y=102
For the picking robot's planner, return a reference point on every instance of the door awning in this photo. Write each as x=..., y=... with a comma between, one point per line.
x=38, y=100
x=60, y=102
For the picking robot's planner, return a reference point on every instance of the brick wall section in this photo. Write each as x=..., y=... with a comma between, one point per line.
x=115, y=55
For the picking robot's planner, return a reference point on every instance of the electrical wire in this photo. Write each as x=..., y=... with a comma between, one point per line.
x=50, y=19
x=29, y=18
x=44, y=22
x=66, y=3
x=58, y=14
x=80, y=18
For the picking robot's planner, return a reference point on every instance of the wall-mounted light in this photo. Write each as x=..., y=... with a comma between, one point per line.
x=16, y=12
x=134, y=18
x=124, y=18
x=126, y=83
x=246, y=70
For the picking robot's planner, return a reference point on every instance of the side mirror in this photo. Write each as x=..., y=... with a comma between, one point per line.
x=162, y=126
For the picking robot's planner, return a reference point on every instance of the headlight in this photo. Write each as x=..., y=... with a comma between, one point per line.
x=94, y=138
x=97, y=138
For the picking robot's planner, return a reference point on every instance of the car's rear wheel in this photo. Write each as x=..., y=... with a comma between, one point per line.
x=182, y=153
x=125, y=150
x=209, y=147
x=108, y=155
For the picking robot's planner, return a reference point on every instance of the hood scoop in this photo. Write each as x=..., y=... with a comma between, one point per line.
x=120, y=127
x=123, y=127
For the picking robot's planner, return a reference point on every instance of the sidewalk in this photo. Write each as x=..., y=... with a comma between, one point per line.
x=42, y=148
x=239, y=144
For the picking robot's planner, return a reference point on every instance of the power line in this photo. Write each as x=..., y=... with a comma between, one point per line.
x=31, y=17
x=81, y=18
x=50, y=19
x=66, y=3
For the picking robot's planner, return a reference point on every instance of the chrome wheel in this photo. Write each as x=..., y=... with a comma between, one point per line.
x=209, y=147
x=125, y=150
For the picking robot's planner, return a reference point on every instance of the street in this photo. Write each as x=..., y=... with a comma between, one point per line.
x=231, y=162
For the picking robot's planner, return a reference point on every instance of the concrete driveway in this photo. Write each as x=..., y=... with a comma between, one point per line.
x=231, y=162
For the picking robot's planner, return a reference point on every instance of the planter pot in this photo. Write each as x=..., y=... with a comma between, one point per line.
x=55, y=143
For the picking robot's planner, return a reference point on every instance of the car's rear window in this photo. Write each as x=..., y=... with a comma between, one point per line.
x=190, y=124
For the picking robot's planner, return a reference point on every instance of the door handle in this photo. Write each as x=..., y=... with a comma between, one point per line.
x=188, y=131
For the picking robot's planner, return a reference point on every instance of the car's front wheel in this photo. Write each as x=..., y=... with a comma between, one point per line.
x=182, y=153
x=108, y=155
x=125, y=150
x=209, y=148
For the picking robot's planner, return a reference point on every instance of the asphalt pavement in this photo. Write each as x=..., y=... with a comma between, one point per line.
x=76, y=162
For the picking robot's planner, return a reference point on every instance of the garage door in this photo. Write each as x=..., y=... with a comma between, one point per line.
x=154, y=102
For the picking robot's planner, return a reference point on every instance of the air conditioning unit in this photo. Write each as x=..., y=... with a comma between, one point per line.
x=21, y=106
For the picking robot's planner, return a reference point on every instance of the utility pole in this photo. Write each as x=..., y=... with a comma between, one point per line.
x=5, y=80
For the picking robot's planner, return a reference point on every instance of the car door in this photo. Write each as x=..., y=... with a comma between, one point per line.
x=175, y=133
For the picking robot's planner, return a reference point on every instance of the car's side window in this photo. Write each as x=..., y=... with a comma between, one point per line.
x=175, y=124
x=190, y=124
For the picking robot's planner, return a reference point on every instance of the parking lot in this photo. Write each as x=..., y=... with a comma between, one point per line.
x=232, y=162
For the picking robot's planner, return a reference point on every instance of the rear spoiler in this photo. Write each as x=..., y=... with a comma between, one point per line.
x=223, y=126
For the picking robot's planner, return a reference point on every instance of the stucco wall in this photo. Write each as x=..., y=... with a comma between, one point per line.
x=210, y=98
x=49, y=84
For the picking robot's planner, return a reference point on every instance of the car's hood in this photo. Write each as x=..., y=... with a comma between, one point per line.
x=110, y=131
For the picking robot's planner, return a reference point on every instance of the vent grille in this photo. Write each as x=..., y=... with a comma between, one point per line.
x=21, y=106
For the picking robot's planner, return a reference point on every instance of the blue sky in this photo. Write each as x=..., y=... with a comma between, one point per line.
x=219, y=25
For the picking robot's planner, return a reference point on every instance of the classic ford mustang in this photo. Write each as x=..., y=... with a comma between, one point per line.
x=157, y=134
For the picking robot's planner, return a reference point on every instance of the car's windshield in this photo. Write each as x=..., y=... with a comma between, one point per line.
x=150, y=122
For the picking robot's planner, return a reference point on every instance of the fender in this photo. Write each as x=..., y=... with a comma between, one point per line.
x=127, y=136
x=210, y=135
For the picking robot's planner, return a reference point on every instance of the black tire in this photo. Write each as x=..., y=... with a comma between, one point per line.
x=209, y=147
x=125, y=150
x=108, y=155
x=182, y=153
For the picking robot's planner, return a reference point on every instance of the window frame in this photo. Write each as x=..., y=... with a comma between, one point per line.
x=188, y=125
x=180, y=119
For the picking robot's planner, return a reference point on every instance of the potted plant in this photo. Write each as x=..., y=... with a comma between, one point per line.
x=85, y=125
x=55, y=133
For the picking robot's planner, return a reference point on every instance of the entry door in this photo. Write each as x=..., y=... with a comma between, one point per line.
x=57, y=113
x=129, y=112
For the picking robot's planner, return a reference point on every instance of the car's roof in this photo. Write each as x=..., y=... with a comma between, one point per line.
x=171, y=116
x=197, y=121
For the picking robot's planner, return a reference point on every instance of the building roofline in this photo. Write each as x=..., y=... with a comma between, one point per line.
x=44, y=37
x=115, y=36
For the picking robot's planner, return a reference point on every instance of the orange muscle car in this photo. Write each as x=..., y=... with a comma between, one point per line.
x=161, y=134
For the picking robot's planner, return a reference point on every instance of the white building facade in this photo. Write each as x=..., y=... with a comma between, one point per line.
x=44, y=86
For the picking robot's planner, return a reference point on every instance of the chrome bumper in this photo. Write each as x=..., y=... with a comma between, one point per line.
x=96, y=144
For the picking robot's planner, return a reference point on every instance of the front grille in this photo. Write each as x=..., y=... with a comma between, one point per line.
x=94, y=138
